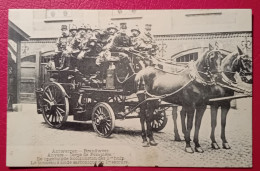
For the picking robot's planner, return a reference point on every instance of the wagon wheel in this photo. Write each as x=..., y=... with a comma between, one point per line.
x=103, y=119
x=159, y=120
x=55, y=105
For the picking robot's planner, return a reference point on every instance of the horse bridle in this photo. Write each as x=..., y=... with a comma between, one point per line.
x=233, y=84
x=243, y=70
x=208, y=73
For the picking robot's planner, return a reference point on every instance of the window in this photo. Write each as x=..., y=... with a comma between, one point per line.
x=125, y=14
x=54, y=15
x=187, y=57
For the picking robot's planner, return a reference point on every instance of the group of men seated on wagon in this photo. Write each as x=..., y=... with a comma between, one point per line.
x=85, y=41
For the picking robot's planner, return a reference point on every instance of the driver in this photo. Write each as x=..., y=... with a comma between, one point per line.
x=61, y=50
x=122, y=43
x=148, y=44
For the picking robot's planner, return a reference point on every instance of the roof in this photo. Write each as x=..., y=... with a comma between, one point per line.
x=16, y=33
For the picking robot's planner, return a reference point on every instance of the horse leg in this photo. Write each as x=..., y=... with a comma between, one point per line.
x=142, y=120
x=200, y=110
x=183, y=114
x=214, y=112
x=224, y=111
x=149, y=119
x=174, y=117
x=190, y=116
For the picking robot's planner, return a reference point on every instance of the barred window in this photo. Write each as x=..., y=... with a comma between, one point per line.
x=187, y=57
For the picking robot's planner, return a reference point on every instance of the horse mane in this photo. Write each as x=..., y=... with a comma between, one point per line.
x=228, y=58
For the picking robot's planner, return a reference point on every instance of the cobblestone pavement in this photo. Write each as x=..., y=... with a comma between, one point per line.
x=29, y=129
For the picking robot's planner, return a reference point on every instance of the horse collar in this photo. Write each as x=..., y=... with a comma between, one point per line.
x=227, y=80
x=194, y=74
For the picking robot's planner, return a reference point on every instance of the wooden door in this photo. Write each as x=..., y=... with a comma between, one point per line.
x=28, y=79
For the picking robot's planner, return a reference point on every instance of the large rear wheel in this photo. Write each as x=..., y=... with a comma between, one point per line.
x=55, y=105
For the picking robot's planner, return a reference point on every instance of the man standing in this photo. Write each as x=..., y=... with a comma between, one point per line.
x=147, y=41
x=148, y=44
x=72, y=50
x=122, y=43
x=61, y=54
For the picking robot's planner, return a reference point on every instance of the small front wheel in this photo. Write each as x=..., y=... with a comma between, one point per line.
x=103, y=119
x=159, y=120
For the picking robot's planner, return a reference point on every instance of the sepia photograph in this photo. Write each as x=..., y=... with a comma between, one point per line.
x=147, y=88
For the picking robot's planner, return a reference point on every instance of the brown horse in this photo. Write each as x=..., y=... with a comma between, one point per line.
x=188, y=88
x=236, y=62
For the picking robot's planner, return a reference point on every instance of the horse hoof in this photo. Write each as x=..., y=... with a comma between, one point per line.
x=153, y=143
x=199, y=150
x=189, y=150
x=226, y=146
x=145, y=144
x=215, y=146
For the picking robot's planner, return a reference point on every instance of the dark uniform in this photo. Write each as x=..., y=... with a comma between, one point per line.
x=147, y=42
x=72, y=50
x=138, y=60
x=108, y=36
x=106, y=39
x=62, y=59
x=122, y=43
x=135, y=37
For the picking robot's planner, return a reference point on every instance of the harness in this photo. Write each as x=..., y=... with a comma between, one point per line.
x=194, y=76
x=194, y=73
x=230, y=84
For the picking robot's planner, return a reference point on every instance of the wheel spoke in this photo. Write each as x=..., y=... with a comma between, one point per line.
x=48, y=116
x=108, y=124
x=98, y=111
x=108, y=128
x=49, y=91
x=59, y=114
x=105, y=130
x=47, y=100
x=60, y=109
x=48, y=96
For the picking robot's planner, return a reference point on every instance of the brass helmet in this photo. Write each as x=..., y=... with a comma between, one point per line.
x=112, y=26
x=82, y=27
x=73, y=27
x=88, y=27
x=136, y=28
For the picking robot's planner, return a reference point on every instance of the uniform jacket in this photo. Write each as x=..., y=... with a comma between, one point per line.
x=120, y=43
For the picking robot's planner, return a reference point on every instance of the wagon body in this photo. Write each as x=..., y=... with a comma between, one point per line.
x=67, y=93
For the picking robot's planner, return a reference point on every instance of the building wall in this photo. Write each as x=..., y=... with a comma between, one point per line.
x=175, y=44
x=176, y=32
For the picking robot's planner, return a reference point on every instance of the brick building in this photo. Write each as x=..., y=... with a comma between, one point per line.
x=182, y=35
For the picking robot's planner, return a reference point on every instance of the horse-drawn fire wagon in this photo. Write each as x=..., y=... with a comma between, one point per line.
x=65, y=93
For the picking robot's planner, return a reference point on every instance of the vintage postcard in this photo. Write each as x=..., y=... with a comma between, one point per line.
x=166, y=88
